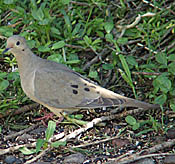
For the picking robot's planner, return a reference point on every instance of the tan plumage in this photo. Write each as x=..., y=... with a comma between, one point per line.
x=59, y=88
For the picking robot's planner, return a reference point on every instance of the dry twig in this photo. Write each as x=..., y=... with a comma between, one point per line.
x=146, y=153
x=20, y=110
x=21, y=132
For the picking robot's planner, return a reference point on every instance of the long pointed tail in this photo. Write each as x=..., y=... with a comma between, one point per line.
x=140, y=104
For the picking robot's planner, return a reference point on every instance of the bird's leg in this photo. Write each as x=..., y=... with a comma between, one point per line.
x=47, y=116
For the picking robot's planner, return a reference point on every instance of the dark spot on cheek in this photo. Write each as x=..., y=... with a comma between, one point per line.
x=87, y=89
x=85, y=84
x=98, y=92
x=75, y=91
x=22, y=49
x=74, y=86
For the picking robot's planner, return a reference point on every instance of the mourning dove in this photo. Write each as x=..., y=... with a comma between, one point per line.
x=59, y=88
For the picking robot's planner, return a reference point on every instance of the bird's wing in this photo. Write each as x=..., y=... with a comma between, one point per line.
x=64, y=89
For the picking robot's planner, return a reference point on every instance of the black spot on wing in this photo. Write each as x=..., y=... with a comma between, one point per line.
x=87, y=89
x=75, y=91
x=92, y=86
x=74, y=86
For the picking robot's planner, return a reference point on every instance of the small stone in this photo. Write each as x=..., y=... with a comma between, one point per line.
x=24, y=137
x=171, y=133
x=10, y=159
x=42, y=162
x=145, y=161
x=38, y=130
x=77, y=158
x=159, y=139
x=120, y=142
x=18, y=161
x=169, y=159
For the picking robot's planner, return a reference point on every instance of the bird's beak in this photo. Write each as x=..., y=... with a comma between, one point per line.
x=7, y=49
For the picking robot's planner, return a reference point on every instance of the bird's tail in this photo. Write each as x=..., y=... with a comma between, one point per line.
x=140, y=104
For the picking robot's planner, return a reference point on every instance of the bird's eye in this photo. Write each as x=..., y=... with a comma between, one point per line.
x=18, y=43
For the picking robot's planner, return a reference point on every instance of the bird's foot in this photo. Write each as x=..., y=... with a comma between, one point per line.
x=48, y=116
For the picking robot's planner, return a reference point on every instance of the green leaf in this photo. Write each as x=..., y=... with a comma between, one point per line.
x=6, y=31
x=136, y=126
x=172, y=106
x=3, y=75
x=172, y=92
x=127, y=75
x=73, y=61
x=132, y=61
x=144, y=132
x=87, y=40
x=108, y=27
x=100, y=34
x=93, y=74
x=76, y=29
x=50, y=130
x=161, y=58
x=160, y=99
x=55, y=31
x=124, y=76
x=40, y=14
x=31, y=43
x=125, y=66
x=96, y=41
x=65, y=2
x=58, y=143
x=72, y=57
x=122, y=40
x=171, y=57
x=107, y=66
x=27, y=151
x=171, y=68
x=56, y=57
x=79, y=116
x=44, y=22
x=109, y=38
x=13, y=76
x=8, y=2
x=58, y=45
x=164, y=83
x=130, y=120
x=39, y=144
x=67, y=21
x=83, y=151
x=4, y=84
x=43, y=49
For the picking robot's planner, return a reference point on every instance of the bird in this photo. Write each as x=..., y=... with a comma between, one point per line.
x=58, y=87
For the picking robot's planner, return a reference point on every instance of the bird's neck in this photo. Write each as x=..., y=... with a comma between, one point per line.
x=27, y=62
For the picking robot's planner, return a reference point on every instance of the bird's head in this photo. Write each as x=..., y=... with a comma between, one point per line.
x=15, y=44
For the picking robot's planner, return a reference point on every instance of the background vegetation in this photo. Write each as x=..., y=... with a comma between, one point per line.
x=126, y=46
